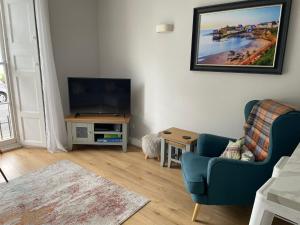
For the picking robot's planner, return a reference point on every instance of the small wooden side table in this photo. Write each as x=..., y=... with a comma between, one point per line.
x=178, y=139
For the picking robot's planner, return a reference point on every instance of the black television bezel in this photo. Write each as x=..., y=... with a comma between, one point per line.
x=97, y=113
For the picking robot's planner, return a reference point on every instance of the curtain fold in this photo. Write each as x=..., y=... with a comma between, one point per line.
x=55, y=126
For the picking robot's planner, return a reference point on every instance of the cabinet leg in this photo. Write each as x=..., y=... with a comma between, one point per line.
x=125, y=137
x=124, y=147
x=70, y=138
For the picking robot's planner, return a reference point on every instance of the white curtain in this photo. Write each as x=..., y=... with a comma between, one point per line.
x=54, y=117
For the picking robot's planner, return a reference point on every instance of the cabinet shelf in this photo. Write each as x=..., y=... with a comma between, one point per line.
x=107, y=132
x=108, y=143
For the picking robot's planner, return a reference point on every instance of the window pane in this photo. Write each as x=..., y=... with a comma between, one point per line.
x=5, y=114
x=3, y=86
x=1, y=49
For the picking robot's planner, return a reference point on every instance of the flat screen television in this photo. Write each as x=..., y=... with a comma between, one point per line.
x=99, y=96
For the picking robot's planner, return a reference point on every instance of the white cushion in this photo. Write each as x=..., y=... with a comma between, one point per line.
x=247, y=155
x=233, y=150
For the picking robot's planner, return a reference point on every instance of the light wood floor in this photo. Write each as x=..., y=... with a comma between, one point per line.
x=170, y=204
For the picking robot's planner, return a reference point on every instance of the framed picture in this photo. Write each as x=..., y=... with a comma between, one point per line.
x=248, y=36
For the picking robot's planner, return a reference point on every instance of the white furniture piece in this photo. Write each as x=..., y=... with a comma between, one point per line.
x=91, y=130
x=280, y=196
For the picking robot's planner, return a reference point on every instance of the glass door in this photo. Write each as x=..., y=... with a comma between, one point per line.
x=7, y=125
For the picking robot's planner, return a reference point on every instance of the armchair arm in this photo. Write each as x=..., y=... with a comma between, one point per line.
x=235, y=182
x=209, y=145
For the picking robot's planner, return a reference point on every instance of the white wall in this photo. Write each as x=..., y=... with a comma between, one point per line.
x=74, y=27
x=116, y=38
x=165, y=92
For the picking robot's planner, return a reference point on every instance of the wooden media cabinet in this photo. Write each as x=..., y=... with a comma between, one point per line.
x=97, y=130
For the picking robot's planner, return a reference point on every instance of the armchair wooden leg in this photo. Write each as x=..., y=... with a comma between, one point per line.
x=196, y=210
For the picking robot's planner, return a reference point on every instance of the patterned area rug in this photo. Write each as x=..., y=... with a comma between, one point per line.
x=65, y=193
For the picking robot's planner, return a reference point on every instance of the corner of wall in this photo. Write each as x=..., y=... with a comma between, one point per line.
x=135, y=142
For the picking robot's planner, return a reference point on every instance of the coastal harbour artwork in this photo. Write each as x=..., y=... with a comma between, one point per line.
x=240, y=37
x=246, y=37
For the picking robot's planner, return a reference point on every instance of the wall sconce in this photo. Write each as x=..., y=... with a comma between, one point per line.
x=164, y=28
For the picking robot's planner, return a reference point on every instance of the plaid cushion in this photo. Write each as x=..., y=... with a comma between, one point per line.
x=258, y=126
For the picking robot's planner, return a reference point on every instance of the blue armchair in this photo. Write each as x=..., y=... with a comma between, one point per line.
x=217, y=181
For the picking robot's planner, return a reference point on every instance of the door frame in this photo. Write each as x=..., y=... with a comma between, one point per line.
x=14, y=142
x=39, y=113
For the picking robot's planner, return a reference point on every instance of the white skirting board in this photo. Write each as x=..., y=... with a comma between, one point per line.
x=135, y=141
x=10, y=147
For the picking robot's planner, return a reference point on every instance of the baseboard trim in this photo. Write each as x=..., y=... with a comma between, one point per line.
x=135, y=141
x=10, y=147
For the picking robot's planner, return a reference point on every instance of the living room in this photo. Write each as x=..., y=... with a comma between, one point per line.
x=173, y=101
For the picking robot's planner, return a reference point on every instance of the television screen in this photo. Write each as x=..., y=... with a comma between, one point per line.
x=99, y=96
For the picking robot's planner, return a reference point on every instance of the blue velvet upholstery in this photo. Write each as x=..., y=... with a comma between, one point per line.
x=217, y=181
x=196, y=179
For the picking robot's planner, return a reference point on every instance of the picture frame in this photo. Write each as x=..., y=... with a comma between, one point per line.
x=242, y=37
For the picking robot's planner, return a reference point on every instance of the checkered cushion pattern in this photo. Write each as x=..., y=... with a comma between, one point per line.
x=258, y=126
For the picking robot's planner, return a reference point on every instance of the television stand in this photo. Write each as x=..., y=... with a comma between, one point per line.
x=99, y=129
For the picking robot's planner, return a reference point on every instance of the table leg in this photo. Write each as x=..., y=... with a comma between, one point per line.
x=193, y=147
x=162, y=151
x=169, y=155
x=187, y=148
x=260, y=214
x=177, y=153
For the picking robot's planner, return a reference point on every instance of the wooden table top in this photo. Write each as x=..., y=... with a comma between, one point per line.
x=98, y=119
x=179, y=136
